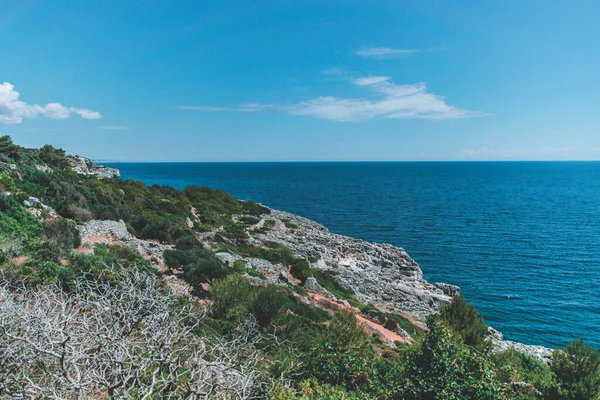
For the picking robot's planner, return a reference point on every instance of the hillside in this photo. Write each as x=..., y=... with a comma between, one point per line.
x=110, y=288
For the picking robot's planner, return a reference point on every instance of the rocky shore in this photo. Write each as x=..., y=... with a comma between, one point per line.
x=380, y=274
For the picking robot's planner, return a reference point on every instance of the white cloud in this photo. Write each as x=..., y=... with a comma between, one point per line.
x=13, y=110
x=385, y=100
x=383, y=52
x=85, y=113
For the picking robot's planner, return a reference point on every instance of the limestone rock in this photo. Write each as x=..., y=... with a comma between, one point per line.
x=44, y=168
x=373, y=272
x=85, y=166
x=105, y=229
x=543, y=354
x=447, y=289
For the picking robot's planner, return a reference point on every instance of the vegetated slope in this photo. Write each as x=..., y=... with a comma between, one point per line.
x=110, y=288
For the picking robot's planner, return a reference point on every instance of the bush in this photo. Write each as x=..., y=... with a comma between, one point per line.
x=205, y=269
x=7, y=184
x=62, y=234
x=515, y=366
x=269, y=302
x=464, y=320
x=231, y=297
x=444, y=369
x=577, y=370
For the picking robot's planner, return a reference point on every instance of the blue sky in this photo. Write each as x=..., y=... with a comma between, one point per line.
x=303, y=80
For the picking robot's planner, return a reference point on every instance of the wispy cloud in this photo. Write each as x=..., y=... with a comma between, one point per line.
x=524, y=151
x=13, y=110
x=370, y=80
x=383, y=52
x=385, y=100
x=114, y=127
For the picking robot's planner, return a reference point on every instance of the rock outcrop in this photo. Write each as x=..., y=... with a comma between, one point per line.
x=373, y=272
x=85, y=166
x=97, y=228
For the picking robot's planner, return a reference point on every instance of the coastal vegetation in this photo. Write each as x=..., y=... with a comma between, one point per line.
x=97, y=318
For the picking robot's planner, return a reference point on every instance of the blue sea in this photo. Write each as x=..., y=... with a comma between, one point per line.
x=521, y=239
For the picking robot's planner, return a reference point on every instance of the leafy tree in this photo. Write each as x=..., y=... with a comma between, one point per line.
x=9, y=149
x=577, y=370
x=53, y=157
x=464, y=320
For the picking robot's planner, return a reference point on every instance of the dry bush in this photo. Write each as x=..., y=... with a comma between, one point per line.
x=124, y=340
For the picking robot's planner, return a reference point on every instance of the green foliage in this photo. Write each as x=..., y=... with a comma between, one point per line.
x=231, y=297
x=344, y=334
x=199, y=265
x=249, y=220
x=9, y=149
x=514, y=366
x=311, y=389
x=7, y=184
x=53, y=157
x=444, y=369
x=300, y=269
x=464, y=320
x=255, y=273
x=577, y=370
x=326, y=279
x=268, y=303
x=62, y=234
x=16, y=223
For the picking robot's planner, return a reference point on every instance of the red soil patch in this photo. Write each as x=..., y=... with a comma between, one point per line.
x=332, y=306
x=18, y=261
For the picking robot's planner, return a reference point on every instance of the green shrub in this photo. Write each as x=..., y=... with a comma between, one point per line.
x=464, y=320
x=311, y=389
x=515, y=366
x=62, y=234
x=444, y=369
x=205, y=269
x=268, y=302
x=345, y=334
x=300, y=269
x=231, y=297
x=7, y=184
x=577, y=370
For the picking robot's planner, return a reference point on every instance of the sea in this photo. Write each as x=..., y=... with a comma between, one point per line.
x=521, y=239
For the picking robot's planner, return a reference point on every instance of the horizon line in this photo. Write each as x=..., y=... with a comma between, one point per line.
x=333, y=161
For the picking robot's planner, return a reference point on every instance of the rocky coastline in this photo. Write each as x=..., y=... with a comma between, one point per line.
x=380, y=274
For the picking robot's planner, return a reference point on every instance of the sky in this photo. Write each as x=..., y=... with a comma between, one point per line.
x=145, y=80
